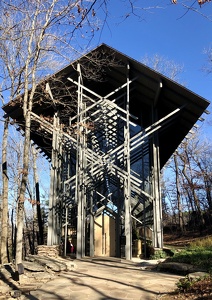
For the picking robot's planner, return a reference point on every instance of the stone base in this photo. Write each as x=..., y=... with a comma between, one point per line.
x=52, y=251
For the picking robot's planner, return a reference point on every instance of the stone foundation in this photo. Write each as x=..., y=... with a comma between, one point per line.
x=51, y=251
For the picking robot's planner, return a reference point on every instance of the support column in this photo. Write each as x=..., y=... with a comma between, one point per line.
x=91, y=216
x=91, y=235
x=157, y=202
x=53, y=224
x=80, y=184
x=65, y=204
x=127, y=189
x=117, y=226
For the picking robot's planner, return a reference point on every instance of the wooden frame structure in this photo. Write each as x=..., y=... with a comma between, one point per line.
x=107, y=152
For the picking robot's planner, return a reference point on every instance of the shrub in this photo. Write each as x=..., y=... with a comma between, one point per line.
x=200, y=284
x=197, y=254
x=202, y=243
x=184, y=284
x=158, y=254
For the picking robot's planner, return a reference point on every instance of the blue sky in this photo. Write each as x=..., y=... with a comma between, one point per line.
x=170, y=31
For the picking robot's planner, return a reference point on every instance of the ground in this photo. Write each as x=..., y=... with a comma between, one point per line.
x=202, y=290
x=177, y=239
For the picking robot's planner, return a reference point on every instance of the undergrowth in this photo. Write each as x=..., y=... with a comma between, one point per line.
x=198, y=253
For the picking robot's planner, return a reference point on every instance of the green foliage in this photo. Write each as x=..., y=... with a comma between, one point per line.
x=198, y=253
x=158, y=254
x=185, y=284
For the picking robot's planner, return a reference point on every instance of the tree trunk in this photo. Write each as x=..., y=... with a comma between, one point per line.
x=179, y=204
x=4, y=230
x=13, y=233
x=37, y=191
x=21, y=198
x=27, y=234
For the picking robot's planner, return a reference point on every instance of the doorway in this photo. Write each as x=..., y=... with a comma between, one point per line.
x=104, y=236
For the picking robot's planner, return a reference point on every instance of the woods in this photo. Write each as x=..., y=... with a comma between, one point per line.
x=37, y=38
x=187, y=188
x=187, y=185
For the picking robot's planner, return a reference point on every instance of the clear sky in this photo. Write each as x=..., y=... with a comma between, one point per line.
x=170, y=31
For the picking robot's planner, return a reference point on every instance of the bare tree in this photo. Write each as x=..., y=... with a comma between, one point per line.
x=207, y=68
x=164, y=66
x=37, y=196
x=133, y=8
x=36, y=37
x=200, y=2
x=192, y=170
x=172, y=70
x=190, y=165
x=4, y=219
x=177, y=182
x=190, y=183
x=31, y=33
x=194, y=4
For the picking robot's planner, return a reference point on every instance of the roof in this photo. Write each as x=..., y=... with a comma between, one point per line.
x=148, y=89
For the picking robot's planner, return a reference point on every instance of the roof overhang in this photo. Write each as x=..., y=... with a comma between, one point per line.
x=148, y=90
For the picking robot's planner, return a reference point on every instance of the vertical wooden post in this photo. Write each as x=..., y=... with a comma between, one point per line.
x=80, y=164
x=91, y=235
x=127, y=189
x=52, y=237
x=91, y=222
x=117, y=224
x=157, y=202
x=65, y=206
x=157, y=209
x=65, y=232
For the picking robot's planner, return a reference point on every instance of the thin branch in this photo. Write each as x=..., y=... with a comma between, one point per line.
x=191, y=8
